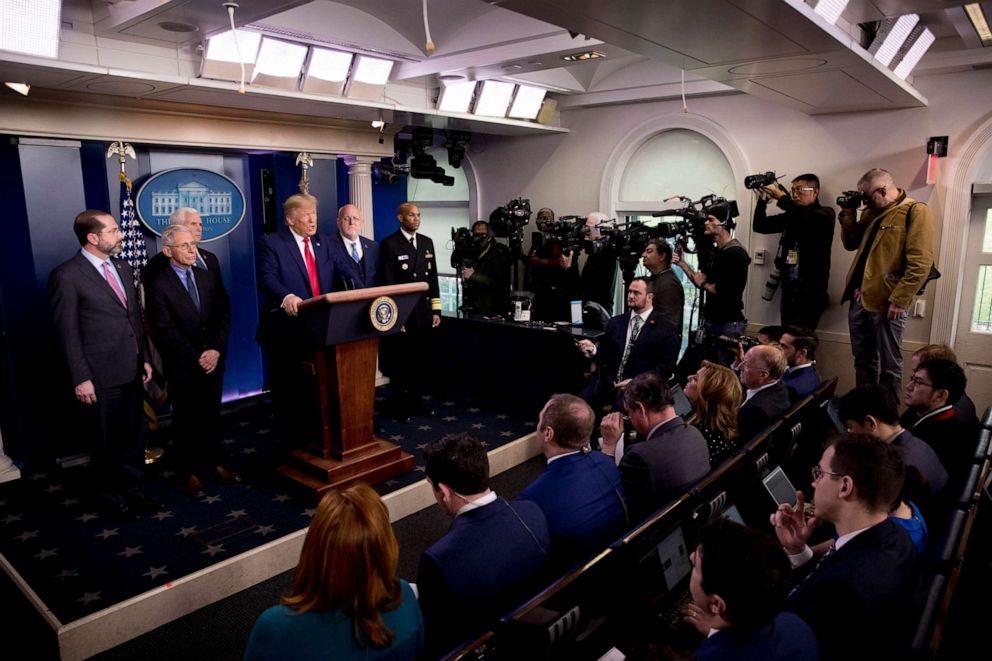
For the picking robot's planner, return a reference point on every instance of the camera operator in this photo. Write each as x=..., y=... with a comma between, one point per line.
x=487, y=284
x=722, y=280
x=803, y=257
x=597, y=280
x=669, y=296
x=894, y=242
x=547, y=277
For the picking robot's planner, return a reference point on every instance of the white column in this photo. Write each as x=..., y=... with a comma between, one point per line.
x=360, y=194
x=8, y=471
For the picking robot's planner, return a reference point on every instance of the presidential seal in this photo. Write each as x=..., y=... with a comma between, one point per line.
x=382, y=313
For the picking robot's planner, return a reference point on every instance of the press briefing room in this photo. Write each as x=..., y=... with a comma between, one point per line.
x=495, y=329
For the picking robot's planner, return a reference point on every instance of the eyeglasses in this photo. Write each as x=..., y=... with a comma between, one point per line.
x=818, y=472
x=880, y=189
x=917, y=381
x=184, y=246
x=112, y=230
x=802, y=189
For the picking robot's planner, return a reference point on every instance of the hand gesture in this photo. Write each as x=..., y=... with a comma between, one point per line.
x=791, y=526
x=565, y=260
x=701, y=620
x=586, y=347
x=612, y=429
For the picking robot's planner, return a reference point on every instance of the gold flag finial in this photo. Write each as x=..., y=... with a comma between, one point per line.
x=305, y=161
x=122, y=150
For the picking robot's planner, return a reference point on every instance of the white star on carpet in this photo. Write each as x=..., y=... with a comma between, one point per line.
x=478, y=425
x=309, y=512
x=12, y=518
x=53, y=488
x=234, y=514
x=449, y=418
x=46, y=553
x=447, y=403
x=107, y=533
x=39, y=476
x=214, y=549
x=502, y=416
x=396, y=437
x=69, y=502
x=89, y=596
x=424, y=427
x=228, y=441
x=248, y=451
x=130, y=550
x=265, y=530
x=87, y=516
x=473, y=410
x=263, y=432
x=281, y=498
x=186, y=532
x=67, y=573
x=162, y=516
x=26, y=535
x=506, y=433
x=155, y=572
x=210, y=500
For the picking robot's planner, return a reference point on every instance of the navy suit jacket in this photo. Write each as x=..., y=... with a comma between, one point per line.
x=282, y=271
x=801, y=382
x=401, y=263
x=787, y=638
x=582, y=497
x=763, y=409
x=489, y=561
x=656, y=348
x=103, y=341
x=862, y=601
x=673, y=458
x=181, y=331
x=348, y=274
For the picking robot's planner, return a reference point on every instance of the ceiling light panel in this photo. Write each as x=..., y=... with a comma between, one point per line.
x=327, y=72
x=895, y=38
x=831, y=9
x=527, y=102
x=30, y=26
x=456, y=97
x=494, y=98
x=369, y=78
x=224, y=54
x=914, y=54
x=279, y=64
x=978, y=20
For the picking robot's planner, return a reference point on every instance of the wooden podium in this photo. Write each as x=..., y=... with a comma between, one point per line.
x=341, y=333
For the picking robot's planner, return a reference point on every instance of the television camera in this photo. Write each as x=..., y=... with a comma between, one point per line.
x=467, y=249
x=509, y=220
x=755, y=181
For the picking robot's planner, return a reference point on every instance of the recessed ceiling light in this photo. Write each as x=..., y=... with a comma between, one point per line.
x=175, y=26
x=583, y=56
x=977, y=18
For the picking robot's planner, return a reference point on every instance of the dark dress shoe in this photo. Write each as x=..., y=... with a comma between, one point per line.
x=141, y=501
x=193, y=486
x=228, y=476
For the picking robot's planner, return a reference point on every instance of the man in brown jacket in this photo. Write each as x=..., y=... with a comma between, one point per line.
x=894, y=239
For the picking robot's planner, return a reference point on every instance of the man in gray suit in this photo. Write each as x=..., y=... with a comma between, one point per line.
x=672, y=458
x=98, y=323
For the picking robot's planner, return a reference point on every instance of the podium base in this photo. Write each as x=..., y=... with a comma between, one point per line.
x=375, y=462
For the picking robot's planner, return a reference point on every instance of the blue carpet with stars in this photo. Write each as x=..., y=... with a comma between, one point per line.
x=80, y=561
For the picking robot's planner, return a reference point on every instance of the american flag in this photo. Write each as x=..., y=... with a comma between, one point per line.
x=134, y=251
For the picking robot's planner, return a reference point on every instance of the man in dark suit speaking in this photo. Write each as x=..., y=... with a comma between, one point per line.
x=356, y=258
x=98, y=323
x=190, y=318
x=293, y=265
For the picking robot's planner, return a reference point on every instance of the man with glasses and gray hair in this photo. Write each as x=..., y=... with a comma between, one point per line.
x=894, y=239
x=189, y=218
x=861, y=596
x=803, y=257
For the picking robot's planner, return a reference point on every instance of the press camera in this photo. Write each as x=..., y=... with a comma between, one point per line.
x=509, y=220
x=851, y=199
x=753, y=181
x=467, y=249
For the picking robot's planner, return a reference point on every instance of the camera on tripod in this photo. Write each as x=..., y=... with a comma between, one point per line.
x=468, y=247
x=731, y=341
x=509, y=220
x=851, y=199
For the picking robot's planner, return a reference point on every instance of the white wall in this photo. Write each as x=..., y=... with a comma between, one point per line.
x=566, y=172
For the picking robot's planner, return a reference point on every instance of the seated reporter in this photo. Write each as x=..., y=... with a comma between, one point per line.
x=715, y=392
x=799, y=346
x=346, y=601
x=767, y=397
x=640, y=340
x=739, y=582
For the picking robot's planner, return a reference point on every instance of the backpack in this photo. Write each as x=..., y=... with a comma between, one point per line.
x=934, y=273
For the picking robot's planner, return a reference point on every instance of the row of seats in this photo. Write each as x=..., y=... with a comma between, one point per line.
x=946, y=555
x=645, y=572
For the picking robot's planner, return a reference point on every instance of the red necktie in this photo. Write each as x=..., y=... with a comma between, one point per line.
x=112, y=281
x=311, y=267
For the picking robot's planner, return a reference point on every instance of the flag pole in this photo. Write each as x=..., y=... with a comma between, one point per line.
x=136, y=255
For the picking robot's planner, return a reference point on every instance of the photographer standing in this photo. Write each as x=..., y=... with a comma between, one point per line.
x=547, y=277
x=803, y=257
x=722, y=279
x=597, y=280
x=487, y=284
x=669, y=297
x=894, y=241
